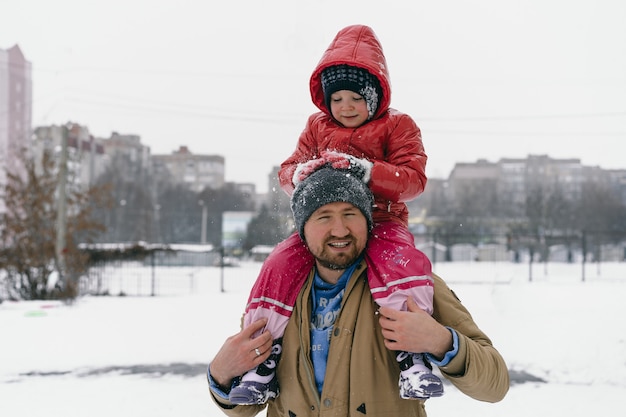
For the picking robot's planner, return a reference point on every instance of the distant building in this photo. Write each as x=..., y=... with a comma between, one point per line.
x=15, y=108
x=128, y=148
x=511, y=187
x=467, y=178
x=86, y=156
x=551, y=174
x=195, y=171
x=246, y=188
x=505, y=185
x=617, y=182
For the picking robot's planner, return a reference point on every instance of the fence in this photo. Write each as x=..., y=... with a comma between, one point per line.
x=135, y=278
x=583, y=248
x=161, y=272
x=188, y=272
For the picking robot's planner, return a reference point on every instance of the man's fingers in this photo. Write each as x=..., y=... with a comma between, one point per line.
x=265, y=348
x=393, y=314
x=263, y=340
x=254, y=327
x=388, y=313
x=412, y=305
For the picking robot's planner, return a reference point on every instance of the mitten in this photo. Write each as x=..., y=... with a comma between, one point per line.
x=360, y=168
x=305, y=169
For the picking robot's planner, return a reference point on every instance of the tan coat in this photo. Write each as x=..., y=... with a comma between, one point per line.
x=362, y=375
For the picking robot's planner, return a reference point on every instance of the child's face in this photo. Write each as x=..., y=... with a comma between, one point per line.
x=348, y=108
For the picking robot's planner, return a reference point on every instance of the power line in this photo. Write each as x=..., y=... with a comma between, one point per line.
x=188, y=110
x=519, y=133
x=140, y=101
x=193, y=112
x=524, y=117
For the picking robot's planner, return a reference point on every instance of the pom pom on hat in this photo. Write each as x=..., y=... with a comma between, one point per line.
x=359, y=80
x=329, y=185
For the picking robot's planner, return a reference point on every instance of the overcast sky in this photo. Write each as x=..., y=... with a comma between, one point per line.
x=483, y=79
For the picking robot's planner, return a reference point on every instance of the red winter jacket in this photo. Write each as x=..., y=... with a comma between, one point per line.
x=391, y=140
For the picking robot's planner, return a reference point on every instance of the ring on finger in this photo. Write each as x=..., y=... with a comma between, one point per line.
x=257, y=351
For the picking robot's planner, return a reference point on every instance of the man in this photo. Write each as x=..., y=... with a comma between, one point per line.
x=338, y=350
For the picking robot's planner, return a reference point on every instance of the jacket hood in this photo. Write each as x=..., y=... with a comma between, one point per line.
x=358, y=46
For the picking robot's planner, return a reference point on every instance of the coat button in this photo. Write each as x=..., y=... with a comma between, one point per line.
x=337, y=331
x=327, y=402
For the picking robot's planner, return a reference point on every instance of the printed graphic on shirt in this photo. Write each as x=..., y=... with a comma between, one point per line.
x=327, y=300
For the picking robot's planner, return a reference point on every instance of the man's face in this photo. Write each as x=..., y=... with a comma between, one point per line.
x=336, y=234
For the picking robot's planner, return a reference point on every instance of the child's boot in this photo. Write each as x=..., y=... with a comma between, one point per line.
x=259, y=384
x=417, y=381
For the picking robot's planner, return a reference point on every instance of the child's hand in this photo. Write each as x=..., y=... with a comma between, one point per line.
x=307, y=168
x=338, y=160
x=361, y=168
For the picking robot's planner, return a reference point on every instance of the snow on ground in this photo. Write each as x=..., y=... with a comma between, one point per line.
x=146, y=356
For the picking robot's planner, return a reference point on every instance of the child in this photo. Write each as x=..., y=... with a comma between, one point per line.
x=357, y=131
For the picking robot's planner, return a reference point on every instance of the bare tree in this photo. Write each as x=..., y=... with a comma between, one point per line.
x=29, y=229
x=267, y=228
x=131, y=216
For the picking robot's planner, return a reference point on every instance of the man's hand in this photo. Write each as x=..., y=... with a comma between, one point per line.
x=414, y=331
x=237, y=355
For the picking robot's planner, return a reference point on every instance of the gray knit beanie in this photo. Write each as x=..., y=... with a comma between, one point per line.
x=329, y=185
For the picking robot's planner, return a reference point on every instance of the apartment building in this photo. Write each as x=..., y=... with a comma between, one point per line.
x=86, y=156
x=15, y=108
x=196, y=171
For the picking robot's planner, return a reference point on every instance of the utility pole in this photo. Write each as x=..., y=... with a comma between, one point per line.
x=61, y=206
x=204, y=221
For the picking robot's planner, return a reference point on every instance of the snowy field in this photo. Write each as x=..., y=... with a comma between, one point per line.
x=564, y=341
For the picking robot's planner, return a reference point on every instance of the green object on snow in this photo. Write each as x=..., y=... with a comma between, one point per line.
x=35, y=313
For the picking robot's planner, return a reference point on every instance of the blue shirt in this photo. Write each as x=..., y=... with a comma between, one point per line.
x=326, y=299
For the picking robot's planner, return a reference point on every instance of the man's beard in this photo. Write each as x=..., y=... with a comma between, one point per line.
x=335, y=266
x=337, y=262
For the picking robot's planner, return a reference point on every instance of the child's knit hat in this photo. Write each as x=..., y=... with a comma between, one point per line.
x=359, y=80
x=329, y=185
